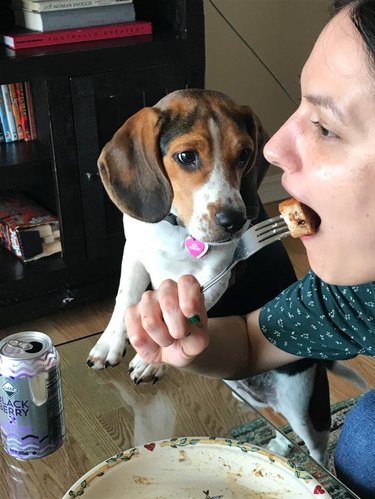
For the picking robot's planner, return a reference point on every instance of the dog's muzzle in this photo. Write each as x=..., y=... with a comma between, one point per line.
x=230, y=220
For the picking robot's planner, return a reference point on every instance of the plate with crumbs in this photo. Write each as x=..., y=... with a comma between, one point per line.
x=197, y=468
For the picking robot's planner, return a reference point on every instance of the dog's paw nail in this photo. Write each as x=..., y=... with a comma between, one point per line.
x=135, y=380
x=155, y=380
x=109, y=364
x=138, y=381
x=124, y=353
x=130, y=370
x=90, y=363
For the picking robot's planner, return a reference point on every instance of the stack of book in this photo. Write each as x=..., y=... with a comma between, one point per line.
x=17, y=117
x=50, y=15
x=56, y=22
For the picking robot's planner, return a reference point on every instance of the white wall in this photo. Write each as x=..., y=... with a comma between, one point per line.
x=280, y=34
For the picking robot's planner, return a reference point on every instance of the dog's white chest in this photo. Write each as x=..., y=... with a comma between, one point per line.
x=161, y=249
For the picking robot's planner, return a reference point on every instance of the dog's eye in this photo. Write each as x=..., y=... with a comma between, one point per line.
x=244, y=156
x=187, y=159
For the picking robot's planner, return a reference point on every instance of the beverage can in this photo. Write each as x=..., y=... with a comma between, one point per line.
x=31, y=402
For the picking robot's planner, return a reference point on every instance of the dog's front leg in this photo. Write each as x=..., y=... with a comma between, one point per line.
x=111, y=346
x=213, y=294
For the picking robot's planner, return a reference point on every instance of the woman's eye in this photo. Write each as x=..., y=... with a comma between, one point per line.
x=187, y=159
x=324, y=131
x=244, y=156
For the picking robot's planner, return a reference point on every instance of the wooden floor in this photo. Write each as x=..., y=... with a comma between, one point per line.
x=70, y=324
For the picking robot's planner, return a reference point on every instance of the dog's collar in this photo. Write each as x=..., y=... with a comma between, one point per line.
x=196, y=248
x=172, y=219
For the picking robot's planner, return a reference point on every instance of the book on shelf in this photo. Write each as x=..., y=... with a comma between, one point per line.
x=9, y=112
x=28, y=230
x=23, y=110
x=16, y=110
x=4, y=121
x=47, y=5
x=24, y=39
x=17, y=115
x=30, y=109
x=84, y=17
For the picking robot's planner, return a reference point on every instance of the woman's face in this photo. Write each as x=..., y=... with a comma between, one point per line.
x=327, y=152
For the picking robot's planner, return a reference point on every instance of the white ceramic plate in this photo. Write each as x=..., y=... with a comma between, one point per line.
x=196, y=468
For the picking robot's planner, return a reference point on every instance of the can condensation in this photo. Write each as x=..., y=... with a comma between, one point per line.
x=31, y=403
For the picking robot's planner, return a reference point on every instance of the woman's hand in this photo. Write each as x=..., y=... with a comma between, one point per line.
x=169, y=325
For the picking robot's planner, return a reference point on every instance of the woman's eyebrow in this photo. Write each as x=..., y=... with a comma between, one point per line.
x=327, y=103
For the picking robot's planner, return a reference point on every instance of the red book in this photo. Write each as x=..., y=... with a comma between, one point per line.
x=23, y=111
x=32, y=39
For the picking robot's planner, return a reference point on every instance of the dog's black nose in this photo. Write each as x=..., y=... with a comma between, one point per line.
x=230, y=220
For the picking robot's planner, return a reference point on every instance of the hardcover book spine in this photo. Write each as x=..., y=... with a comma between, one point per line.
x=23, y=111
x=47, y=6
x=16, y=110
x=4, y=121
x=61, y=37
x=9, y=111
x=30, y=109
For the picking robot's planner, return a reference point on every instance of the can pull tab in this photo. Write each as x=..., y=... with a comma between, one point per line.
x=18, y=346
x=22, y=345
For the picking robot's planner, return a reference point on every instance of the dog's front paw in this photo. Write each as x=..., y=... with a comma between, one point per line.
x=141, y=372
x=108, y=351
x=280, y=445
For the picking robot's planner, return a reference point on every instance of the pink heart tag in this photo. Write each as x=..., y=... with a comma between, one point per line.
x=195, y=247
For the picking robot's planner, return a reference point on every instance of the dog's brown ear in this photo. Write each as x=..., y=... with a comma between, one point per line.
x=132, y=170
x=260, y=137
x=261, y=165
x=258, y=164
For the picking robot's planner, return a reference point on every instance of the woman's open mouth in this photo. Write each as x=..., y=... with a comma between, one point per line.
x=299, y=217
x=312, y=216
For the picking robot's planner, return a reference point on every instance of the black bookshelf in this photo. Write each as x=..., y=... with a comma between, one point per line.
x=82, y=94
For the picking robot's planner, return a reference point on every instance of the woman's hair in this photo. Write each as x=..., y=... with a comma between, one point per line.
x=362, y=14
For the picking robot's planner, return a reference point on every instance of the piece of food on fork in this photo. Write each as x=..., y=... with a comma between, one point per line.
x=300, y=218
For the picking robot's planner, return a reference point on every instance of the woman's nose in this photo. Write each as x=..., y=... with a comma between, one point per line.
x=272, y=151
x=281, y=149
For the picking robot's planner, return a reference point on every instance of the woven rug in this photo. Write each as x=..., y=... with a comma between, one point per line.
x=260, y=433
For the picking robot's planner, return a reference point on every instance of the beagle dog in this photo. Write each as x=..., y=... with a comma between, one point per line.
x=185, y=174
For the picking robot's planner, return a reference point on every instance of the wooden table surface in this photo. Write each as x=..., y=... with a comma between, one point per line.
x=105, y=414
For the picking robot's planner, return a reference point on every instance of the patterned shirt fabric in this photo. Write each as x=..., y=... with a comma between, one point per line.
x=321, y=321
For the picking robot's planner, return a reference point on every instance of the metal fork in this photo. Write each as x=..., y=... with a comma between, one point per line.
x=251, y=241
